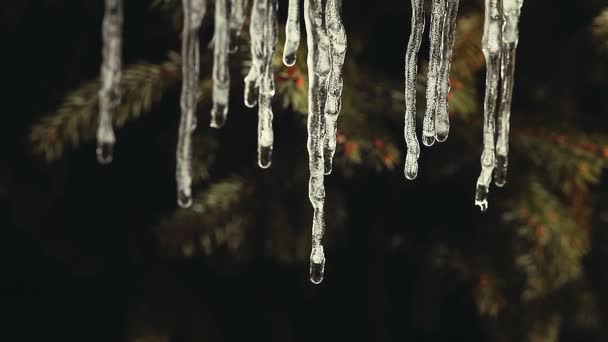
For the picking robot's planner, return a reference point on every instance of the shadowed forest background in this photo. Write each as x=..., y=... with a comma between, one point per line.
x=102, y=253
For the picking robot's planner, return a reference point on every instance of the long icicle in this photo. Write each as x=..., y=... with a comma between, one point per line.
x=109, y=94
x=267, y=87
x=411, y=71
x=491, y=46
x=292, y=33
x=237, y=18
x=221, y=68
x=256, y=31
x=337, y=38
x=442, y=118
x=194, y=11
x=510, y=38
x=319, y=67
x=436, y=60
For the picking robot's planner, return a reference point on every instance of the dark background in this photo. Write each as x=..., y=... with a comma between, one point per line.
x=77, y=250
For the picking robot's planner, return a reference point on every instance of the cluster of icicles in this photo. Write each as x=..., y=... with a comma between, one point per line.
x=326, y=40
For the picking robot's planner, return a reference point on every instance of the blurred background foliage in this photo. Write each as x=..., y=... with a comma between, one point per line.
x=103, y=253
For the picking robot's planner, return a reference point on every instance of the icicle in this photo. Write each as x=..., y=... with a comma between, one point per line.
x=337, y=38
x=442, y=119
x=267, y=87
x=221, y=69
x=256, y=31
x=491, y=45
x=194, y=10
x=237, y=18
x=292, y=33
x=411, y=70
x=510, y=38
x=319, y=67
x=436, y=60
x=109, y=94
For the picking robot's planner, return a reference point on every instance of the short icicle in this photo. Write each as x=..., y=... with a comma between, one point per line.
x=194, y=10
x=256, y=31
x=411, y=71
x=267, y=87
x=221, y=68
x=435, y=62
x=111, y=69
x=319, y=67
x=442, y=119
x=292, y=33
x=333, y=104
x=510, y=38
x=491, y=46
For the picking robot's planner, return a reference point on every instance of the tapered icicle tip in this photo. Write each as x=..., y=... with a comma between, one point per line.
x=218, y=115
x=411, y=167
x=265, y=156
x=289, y=59
x=500, y=173
x=252, y=93
x=441, y=134
x=317, y=265
x=105, y=152
x=481, y=197
x=428, y=140
x=328, y=166
x=184, y=198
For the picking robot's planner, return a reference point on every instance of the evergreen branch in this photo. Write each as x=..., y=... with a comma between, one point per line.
x=557, y=243
x=211, y=222
x=142, y=86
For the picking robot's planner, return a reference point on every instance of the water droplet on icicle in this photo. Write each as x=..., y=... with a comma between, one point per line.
x=428, y=140
x=219, y=113
x=265, y=156
x=252, y=92
x=317, y=265
x=481, y=197
x=184, y=199
x=105, y=152
x=500, y=173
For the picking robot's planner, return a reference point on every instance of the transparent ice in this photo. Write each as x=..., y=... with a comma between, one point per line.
x=442, y=119
x=194, y=11
x=319, y=69
x=111, y=68
x=237, y=18
x=258, y=50
x=491, y=46
x=510, y=38
x=267, y=87
x=435, y=61
x=411, y=71
x=221, y=69
x=292, y=33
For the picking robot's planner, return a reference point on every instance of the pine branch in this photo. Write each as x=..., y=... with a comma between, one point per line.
x=214, y=220
x=142, y=86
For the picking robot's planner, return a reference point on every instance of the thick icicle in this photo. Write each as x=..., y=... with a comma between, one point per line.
x=194, y=10
x=221, y=68
x=256, y=31
x=319, y=67
x=267, y=87
x=510, y=38
x=337, y=39
x=491, y=46
x=442, y=119
x=411, y=70
x=436, y=60
x=237, y=18
x=292, y=33
x=109, y=94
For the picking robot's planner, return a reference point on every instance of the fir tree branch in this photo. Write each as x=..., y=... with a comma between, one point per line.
x=142, y=86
